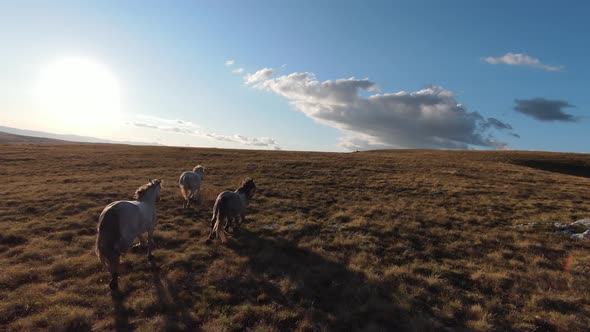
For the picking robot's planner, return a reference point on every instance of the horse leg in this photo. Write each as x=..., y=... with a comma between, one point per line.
x=190, y=198
x=150, y=244
x=242, y=218
x=140, y=244
x=223, y=234
x=227, y=224
x=114, y=270
x=238, y=222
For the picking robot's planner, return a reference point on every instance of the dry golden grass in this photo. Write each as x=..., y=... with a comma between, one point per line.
x=407, y=240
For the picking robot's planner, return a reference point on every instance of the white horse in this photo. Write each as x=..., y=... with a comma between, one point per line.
x=231, y=205
x=121, y=222
x=190, y=184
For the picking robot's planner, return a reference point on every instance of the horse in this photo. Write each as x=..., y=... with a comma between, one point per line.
x=121, y=222
x=190, y=184
x=230, y=205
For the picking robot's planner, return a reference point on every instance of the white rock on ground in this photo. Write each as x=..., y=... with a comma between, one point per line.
x=582, y=236
x=563, y=228
x=583, y=222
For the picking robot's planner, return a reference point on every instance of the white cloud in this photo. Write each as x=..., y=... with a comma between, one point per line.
x=260, y=75
x=238, y=70
x=229, y=63
x=518, y=59
x=188, y=128
x=176, y=126
x=428, y=118
x=241, y=139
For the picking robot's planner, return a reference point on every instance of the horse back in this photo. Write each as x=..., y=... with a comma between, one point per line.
x=111, y=216
x=229, y=202
x=190, y=180
x=122, y=219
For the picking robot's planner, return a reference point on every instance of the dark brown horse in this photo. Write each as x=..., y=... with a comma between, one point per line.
x=230, y=208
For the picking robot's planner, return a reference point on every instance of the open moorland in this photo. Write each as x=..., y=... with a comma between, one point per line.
x=382, y=240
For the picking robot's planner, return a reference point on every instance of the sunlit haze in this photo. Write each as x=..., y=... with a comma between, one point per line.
x=325, y=75
x=78, y=94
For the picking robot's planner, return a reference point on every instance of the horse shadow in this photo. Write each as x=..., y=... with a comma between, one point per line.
x=121, y=312
x=326, y=292
x=574, y=168
x=174, y=310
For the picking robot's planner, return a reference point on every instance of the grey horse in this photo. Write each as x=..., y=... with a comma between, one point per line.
x=190, y=184
x=121, y=222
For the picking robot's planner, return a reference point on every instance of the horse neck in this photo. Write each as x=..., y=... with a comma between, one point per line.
x=149, y=198
x=243, y=197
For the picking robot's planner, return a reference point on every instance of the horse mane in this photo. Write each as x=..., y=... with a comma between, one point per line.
x=247, y=185
x=199, y=169
x=140, y=192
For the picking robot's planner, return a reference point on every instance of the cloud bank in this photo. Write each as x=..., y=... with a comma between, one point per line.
x=428, y=118
x=261, y=75
x=176, y=126
x=191, y=129
x=241, y=139
x=518, y=59
x=545, y=110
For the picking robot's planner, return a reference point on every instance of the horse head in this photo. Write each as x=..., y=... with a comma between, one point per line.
x=199, y=170
x=158, y=186
x=249, y=187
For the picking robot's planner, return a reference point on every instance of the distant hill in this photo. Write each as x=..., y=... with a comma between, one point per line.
x=12, y=138
x=13, y=135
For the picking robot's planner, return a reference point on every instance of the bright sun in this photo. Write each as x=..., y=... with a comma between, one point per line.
x=78, y=94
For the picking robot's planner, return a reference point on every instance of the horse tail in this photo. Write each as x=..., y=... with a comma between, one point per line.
x=217, y=219
x=192, y=194
x=184, y=187
x=215, y=210
x=108, y=248
x=185, y=192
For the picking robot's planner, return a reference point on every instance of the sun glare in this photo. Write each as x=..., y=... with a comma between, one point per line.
x=78, y=94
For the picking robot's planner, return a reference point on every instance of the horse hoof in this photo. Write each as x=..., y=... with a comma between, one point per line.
x=114, y=285
x=208, y=241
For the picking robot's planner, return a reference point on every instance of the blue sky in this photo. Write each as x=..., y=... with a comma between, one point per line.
x=169, y=62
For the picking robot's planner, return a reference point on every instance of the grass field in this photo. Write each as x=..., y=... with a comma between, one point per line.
x=384, y=240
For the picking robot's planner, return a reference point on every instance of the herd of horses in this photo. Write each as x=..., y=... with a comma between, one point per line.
x=121, y=222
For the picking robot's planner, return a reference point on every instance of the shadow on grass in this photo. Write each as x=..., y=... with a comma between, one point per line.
x=325, y=292
x=176, y=313
x=562, y=167
x=121, y=313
